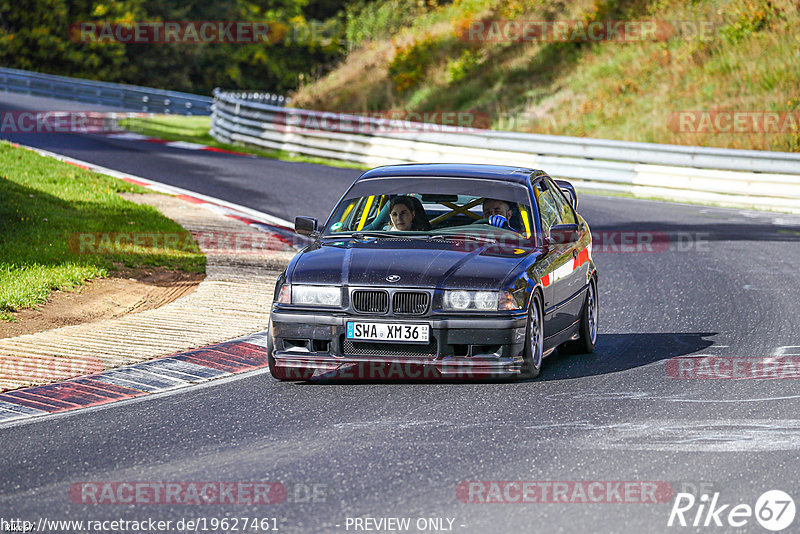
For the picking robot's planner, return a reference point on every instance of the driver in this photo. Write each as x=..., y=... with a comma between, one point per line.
x=498, y=212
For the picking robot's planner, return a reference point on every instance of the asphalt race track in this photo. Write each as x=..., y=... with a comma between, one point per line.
x=718, y=282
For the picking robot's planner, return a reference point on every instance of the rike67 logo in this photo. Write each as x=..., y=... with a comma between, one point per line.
x=774, y=510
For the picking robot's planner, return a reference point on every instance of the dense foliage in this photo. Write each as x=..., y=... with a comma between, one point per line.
x=304, y=41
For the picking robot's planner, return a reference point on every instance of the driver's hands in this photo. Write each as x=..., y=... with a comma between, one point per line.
x=499, y=221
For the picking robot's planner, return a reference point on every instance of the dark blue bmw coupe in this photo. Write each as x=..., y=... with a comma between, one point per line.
x=438, y=270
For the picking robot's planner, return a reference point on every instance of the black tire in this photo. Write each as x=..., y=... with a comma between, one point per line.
x=534, y=341
x=284, y=375
x=587, y=330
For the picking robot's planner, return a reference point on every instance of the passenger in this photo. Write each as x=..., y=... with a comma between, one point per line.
x=401, y=211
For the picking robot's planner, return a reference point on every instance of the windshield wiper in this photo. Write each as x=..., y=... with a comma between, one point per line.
x=427, y=237
x=450, y=237
x=389, y=235
x=362, y=235
x=355, y=235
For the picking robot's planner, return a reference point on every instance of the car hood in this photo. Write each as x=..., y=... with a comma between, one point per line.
x=419, y=263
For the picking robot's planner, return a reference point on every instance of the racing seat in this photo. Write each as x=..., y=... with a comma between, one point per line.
x=516, y=219
x=420, y=221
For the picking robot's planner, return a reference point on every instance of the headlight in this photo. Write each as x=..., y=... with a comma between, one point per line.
x=316, y=295
x=457, y=300
x=485, y=300
x=479, y=300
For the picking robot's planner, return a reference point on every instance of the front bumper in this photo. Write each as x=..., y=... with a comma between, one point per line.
x=460, y=347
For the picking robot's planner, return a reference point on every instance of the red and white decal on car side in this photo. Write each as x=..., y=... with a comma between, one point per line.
x=583, y=256
x=557, y=274
x=565, y=270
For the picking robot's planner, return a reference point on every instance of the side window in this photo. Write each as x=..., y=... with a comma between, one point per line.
x=566, y=214
x=548, y=208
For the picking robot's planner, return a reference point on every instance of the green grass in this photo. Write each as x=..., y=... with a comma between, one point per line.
x=173, y=128
x=195, y=130
x=46, y=205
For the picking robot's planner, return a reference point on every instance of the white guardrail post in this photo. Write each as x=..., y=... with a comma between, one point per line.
x=742, y=178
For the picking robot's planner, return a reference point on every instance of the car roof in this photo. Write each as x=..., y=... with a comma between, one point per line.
x=502, y=173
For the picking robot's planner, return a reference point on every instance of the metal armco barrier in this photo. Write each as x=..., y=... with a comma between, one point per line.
x=742, y=178
x=116, y=95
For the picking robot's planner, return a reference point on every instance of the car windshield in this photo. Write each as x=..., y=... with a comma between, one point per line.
x=395, y=207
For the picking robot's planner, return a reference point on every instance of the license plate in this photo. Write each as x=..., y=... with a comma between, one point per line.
x=409, y=333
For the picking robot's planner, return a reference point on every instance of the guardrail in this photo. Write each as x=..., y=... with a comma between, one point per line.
x=256, y=96
x=742, y=178
x=116, y=95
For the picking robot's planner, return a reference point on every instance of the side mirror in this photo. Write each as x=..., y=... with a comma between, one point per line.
x=305, y=225
x=563, y=233
x=569, y=191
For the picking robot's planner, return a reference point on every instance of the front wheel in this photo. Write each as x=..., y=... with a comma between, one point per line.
x=534, y=341
x=587, y=329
